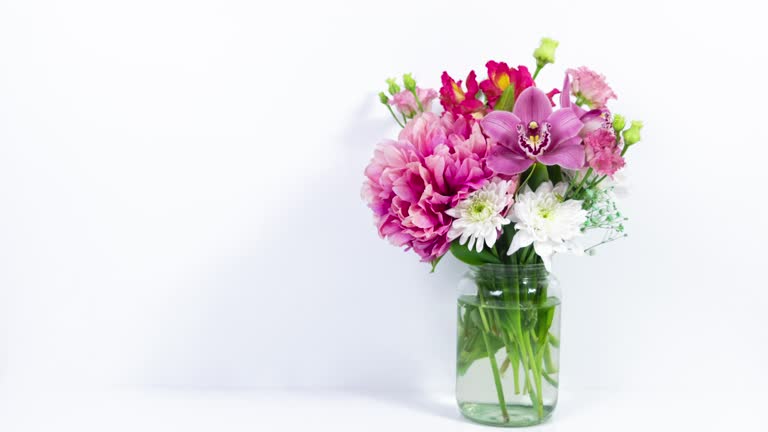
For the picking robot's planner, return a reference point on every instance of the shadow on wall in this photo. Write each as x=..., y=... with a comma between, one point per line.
x=317, y=299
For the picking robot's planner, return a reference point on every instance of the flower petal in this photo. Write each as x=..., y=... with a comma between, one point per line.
x=544, y=251
x=592, y=120
x=505, y=161
x=532, y=105
x=551, y=95
x=565, y=96
x=569, y=154
x=521, y=239
x=564, y=125
x=501, y=126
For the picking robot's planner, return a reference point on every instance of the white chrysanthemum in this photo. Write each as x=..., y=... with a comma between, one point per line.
x=479, y=217
x=546, y=221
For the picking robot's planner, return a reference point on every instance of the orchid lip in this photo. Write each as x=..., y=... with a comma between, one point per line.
x=534, y=138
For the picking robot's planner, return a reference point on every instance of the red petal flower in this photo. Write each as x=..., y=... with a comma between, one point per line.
x=456, y=100
x=500, y=76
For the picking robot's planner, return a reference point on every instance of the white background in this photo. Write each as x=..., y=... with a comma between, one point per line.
x=179, y=194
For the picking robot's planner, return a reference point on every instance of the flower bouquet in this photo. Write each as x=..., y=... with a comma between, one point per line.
x=505, y=177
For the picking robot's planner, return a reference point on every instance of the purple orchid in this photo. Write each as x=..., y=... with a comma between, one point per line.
x=532, y=132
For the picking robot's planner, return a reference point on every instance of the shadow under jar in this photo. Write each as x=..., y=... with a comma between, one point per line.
x=507, y=356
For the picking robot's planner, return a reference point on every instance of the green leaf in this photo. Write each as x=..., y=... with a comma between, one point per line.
x=472, y=257
x=435, y=262
x=538, y=176
x=546, y=315
x=471, y=345
x=555, y=173
x=507, y=100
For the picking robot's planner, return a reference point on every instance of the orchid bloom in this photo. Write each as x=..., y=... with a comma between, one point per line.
x=531, y=133
x=456, y=100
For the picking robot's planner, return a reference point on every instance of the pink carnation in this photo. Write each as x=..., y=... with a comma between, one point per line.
x=436, y=162
x=603, y=154
x=406, y=103
x=590, y=86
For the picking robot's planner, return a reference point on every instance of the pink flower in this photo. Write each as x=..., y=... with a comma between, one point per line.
x=435, y=163
x=593, y=119
x=405, y=103
x=456, y=100
x=590, y=86
x=501, y=76
x=532, y=132
x=551, y=95
x=603, y=153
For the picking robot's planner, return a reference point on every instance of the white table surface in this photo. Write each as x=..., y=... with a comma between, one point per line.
x=340, y=411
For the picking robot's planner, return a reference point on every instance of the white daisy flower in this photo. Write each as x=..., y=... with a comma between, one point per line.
x=543, y=219
x=479, y=216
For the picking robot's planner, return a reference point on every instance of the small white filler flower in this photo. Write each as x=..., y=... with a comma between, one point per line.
x=479, y=216
x=543, y=219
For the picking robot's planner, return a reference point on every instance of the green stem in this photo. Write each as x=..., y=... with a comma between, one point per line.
x=492, y=359
x=578, y=188
x=554, y=341
x=511, y=355
x=539, y=67
x=516, y=369
x=394, y=116
x=535, y=371
x=528, y=366
x=533, y=168
x=597, y=182
x=415, y=96
x=549, y=365
x=526, y=354
x=549, y=379
x=496, y=376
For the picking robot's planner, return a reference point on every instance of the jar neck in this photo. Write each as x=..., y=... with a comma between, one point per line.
x=511, y=283
x=509, y=271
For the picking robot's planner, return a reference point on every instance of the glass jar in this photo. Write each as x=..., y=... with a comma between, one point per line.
x=507, y=356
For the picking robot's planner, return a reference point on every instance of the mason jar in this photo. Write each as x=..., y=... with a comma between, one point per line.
x=508, y=338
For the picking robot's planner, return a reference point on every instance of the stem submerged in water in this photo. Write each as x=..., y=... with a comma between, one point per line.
x=512, y=313
x=492, y=359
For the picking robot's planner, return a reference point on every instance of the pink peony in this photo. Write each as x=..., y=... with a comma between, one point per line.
x=406, y=103
x=603, y=154
x=435, y=163
x=590, y=86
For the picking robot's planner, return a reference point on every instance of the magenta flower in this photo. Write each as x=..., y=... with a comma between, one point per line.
x=602, y=152
x=412, y=182
x=590, y=87
x=405, y=103
x=533, y=132
x=458, y=101
x=501, y=76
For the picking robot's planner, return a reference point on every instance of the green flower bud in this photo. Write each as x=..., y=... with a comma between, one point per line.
x=545, y=53
x=632, y=135
x=619, y=122
x=383, y=98
x=393, y=87
x=410, y=83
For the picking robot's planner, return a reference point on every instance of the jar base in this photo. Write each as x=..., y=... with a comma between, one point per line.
x=490, y=414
